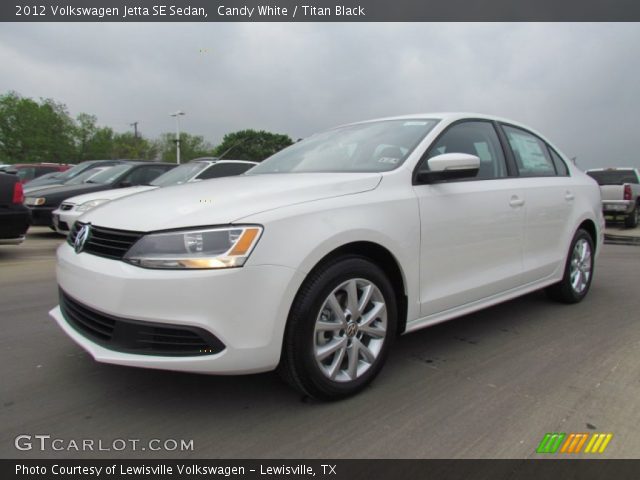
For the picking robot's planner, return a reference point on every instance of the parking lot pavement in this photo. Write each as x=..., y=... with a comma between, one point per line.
x=488, y=385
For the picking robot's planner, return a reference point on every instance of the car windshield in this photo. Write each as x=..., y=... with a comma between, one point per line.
x=613, y=177
x=110, y=175
x=72, y=172
x=180, y=174
x=86, y=175
x=366, y=147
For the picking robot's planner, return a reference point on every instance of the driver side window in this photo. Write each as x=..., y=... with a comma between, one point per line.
x=477, y=138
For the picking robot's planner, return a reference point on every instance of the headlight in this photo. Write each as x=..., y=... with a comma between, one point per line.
x=83, y=207
x=34, y=201
x=205, y=248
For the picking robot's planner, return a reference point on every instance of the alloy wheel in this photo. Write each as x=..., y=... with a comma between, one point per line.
x=580, y=266
x=350, y=330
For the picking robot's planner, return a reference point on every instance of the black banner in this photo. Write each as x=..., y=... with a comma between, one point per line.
x=319, y=11
x=323, y=469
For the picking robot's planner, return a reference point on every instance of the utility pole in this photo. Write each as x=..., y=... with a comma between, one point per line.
x=177, y=115
x=135, y=129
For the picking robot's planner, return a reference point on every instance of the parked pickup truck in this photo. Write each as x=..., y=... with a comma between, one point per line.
x=620, y=191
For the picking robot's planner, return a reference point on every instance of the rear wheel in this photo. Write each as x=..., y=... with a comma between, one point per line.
x=340, y=329
x=578, y=271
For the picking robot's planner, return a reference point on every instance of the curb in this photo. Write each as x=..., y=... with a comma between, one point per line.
x=621, y=239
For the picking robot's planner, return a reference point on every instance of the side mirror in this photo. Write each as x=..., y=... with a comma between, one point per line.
x=449, y=166
x=125, y=184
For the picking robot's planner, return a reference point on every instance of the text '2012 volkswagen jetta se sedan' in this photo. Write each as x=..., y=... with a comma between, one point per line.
x=317, y=258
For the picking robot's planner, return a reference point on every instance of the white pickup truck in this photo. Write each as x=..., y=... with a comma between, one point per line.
x=620, y=191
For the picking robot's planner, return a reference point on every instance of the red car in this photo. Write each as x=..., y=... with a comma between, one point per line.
x=28, y=171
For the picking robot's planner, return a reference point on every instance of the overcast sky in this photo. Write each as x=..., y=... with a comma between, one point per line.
x=579, y=84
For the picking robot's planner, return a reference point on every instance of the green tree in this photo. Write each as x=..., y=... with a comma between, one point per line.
x=126, y=145
x=251, y=145
x=191, y=146
x=33, y=131
x=85, y=131
x=100, y=146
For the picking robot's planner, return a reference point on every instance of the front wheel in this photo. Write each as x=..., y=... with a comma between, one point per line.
x=339, y=330
x=578, y=271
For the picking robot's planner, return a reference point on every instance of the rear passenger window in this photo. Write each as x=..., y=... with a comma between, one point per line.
x=531, y=155
x=561, y=167
x=477, y=138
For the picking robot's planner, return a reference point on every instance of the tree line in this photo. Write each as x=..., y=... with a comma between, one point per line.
x=42, y=130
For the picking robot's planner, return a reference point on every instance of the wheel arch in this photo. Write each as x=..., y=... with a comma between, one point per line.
x=590, y=227
x=384, y=259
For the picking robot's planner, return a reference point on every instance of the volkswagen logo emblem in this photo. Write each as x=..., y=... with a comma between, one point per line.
x=352, y=329
x=82, y=237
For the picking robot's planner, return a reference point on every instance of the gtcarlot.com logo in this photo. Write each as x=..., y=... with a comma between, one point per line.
x=48, y=443
x=574, y=443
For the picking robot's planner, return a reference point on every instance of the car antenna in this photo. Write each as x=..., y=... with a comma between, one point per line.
x=231, y=148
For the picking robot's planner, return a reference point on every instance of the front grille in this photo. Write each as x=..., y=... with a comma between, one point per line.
x=106, y=242
x=135, y=336
x=66, y=206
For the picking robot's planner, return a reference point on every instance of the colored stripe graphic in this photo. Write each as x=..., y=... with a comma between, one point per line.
x=598, y=442
x=572, y=443
x=550, y=443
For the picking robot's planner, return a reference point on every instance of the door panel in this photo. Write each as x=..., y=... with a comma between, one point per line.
x=549, y=198
x=471, y=239
x=547, y=225
x=471, y=230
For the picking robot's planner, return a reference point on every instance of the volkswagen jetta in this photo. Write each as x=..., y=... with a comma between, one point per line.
x=317, y=258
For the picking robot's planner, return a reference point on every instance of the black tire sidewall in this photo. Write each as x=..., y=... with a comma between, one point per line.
x=304, y=314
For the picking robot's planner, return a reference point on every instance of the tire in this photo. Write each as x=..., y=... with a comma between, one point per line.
x=631, y=221
x=330, y=352
x=578, y=271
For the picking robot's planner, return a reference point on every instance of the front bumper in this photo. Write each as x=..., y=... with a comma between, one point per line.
x=63, y=220
x=245, y=308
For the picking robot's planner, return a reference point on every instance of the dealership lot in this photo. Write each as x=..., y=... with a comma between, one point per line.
x=488, y=385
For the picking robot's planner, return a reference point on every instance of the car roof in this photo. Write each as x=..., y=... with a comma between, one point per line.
x=449, y=117
x=142, y=162
x=211, y=160
x=608, y=169
x=40, y=165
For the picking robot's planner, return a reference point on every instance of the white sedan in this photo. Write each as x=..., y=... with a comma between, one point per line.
x=315, y=260
x=65, y=216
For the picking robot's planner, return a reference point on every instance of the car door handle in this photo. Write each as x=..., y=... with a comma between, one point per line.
x=569, y=196
x=516, y=201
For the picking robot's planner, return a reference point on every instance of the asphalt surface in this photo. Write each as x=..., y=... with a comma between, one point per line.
x=488, y=385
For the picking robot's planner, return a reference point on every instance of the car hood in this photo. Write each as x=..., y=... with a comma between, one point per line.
x=224, y=200
x=58, y=194
x=28, y=190
x=112, y=194
x=45, y=182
